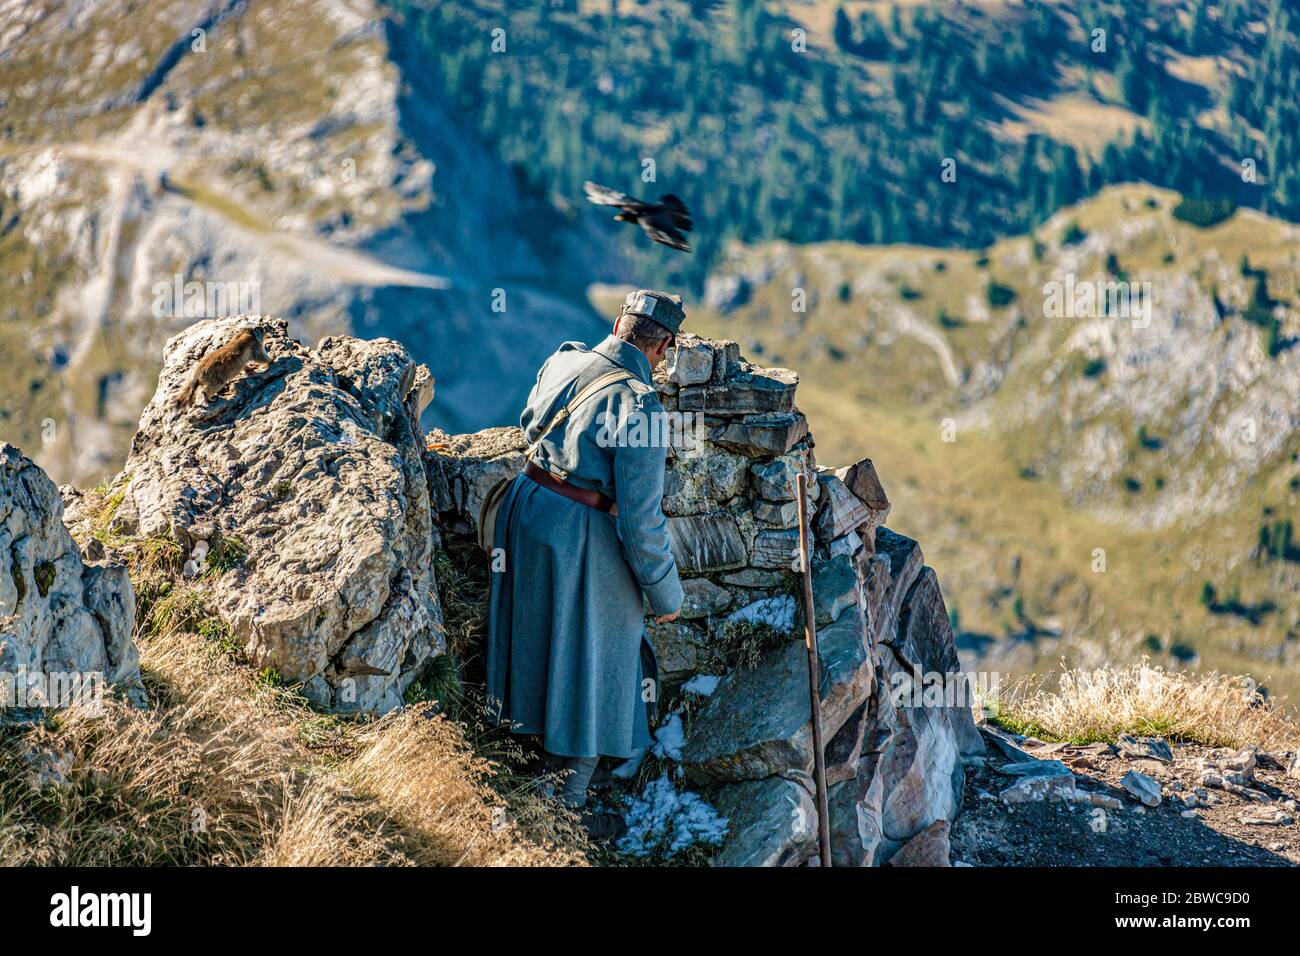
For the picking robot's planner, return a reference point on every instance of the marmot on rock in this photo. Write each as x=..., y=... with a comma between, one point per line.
x=221, y=366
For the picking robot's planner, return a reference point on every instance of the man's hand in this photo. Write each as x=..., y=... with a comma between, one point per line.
x=666, y=618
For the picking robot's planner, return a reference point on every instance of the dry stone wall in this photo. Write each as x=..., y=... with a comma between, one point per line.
x=894, y=760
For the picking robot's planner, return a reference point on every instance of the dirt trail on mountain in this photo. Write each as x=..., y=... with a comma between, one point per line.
x=336, y=262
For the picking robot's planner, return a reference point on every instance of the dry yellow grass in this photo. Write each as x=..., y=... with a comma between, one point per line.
x=1099, y=705
x=426, y=780
x=225, y=770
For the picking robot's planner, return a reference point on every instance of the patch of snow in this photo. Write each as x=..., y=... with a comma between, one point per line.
x=776, y=611
x=628, y=768
x=702, y=684
x=670, y=738
x=662, y=814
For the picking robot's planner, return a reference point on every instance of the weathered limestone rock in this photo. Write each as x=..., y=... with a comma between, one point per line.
x=690, y=362
x=926, y=643
x=695, y=361
x=315, y=465
x=1095, y=799
x=677, y=647
x=1037, y=780
x=922, y=770
x=856, y=804
x=1144, y=748
x=847, y=668
x=844, y=748
x=463, y=468
x=1036, y=788
x=704, y=598
x=835, y=589
x=761, y=435
x=928, y=848
x=775, y=549
x=1233, y=766
x=703, y=480
x=861, y=480
x=775, y=479
x=706, y=542
x=1037, y=768
x=780, y=514
x=848, y=546
x=910, y=772
x=1142, y=787
x=58, y=616
x=752, y=392
x=874, y=573
x=755, y=578
x=755, y=724
x=838, y=511
x=770, y=822
x=758, y=723
x=1267, y=816
x=905, y=563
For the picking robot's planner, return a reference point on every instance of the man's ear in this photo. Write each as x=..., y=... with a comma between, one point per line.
x=661, y=351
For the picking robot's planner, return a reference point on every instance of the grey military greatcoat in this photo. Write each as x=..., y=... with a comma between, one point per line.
x=567, y=611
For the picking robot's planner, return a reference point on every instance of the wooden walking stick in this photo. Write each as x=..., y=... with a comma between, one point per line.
x=814, y=673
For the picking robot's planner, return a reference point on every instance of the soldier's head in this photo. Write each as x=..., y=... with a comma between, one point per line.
x=650, y=321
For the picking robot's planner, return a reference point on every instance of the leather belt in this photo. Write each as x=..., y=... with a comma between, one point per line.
x=585, y=496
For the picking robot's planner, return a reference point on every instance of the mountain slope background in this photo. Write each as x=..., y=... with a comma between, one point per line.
x=1091, y=488
x=285, y=146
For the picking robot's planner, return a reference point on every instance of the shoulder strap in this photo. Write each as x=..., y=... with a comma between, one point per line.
x=590, y=389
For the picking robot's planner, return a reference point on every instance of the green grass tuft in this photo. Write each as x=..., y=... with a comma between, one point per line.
x=227, y=552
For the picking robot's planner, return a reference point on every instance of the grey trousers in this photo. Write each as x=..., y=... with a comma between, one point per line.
x=573, y=791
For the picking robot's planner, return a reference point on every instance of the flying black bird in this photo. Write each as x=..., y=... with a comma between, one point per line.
x=664, y=221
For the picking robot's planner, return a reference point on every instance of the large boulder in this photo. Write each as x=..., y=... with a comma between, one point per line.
x=313, y=470
x=771, y=822
x=856, y=803
x=925, y=644
x=758, y=722
x=63, y=623
x=923, y=728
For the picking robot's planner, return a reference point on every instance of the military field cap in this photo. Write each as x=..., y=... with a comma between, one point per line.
x=660, y=306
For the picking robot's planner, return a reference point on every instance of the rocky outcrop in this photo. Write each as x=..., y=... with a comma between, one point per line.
x=894, y=758
x=58, y=615
x=894, y=747
x=301, y=489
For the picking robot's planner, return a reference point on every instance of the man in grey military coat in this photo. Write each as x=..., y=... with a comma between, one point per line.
x=585, y=550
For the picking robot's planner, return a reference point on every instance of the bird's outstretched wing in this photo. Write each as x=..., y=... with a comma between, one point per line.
x=604, y=196
x=677, y=212
x=661, y=231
